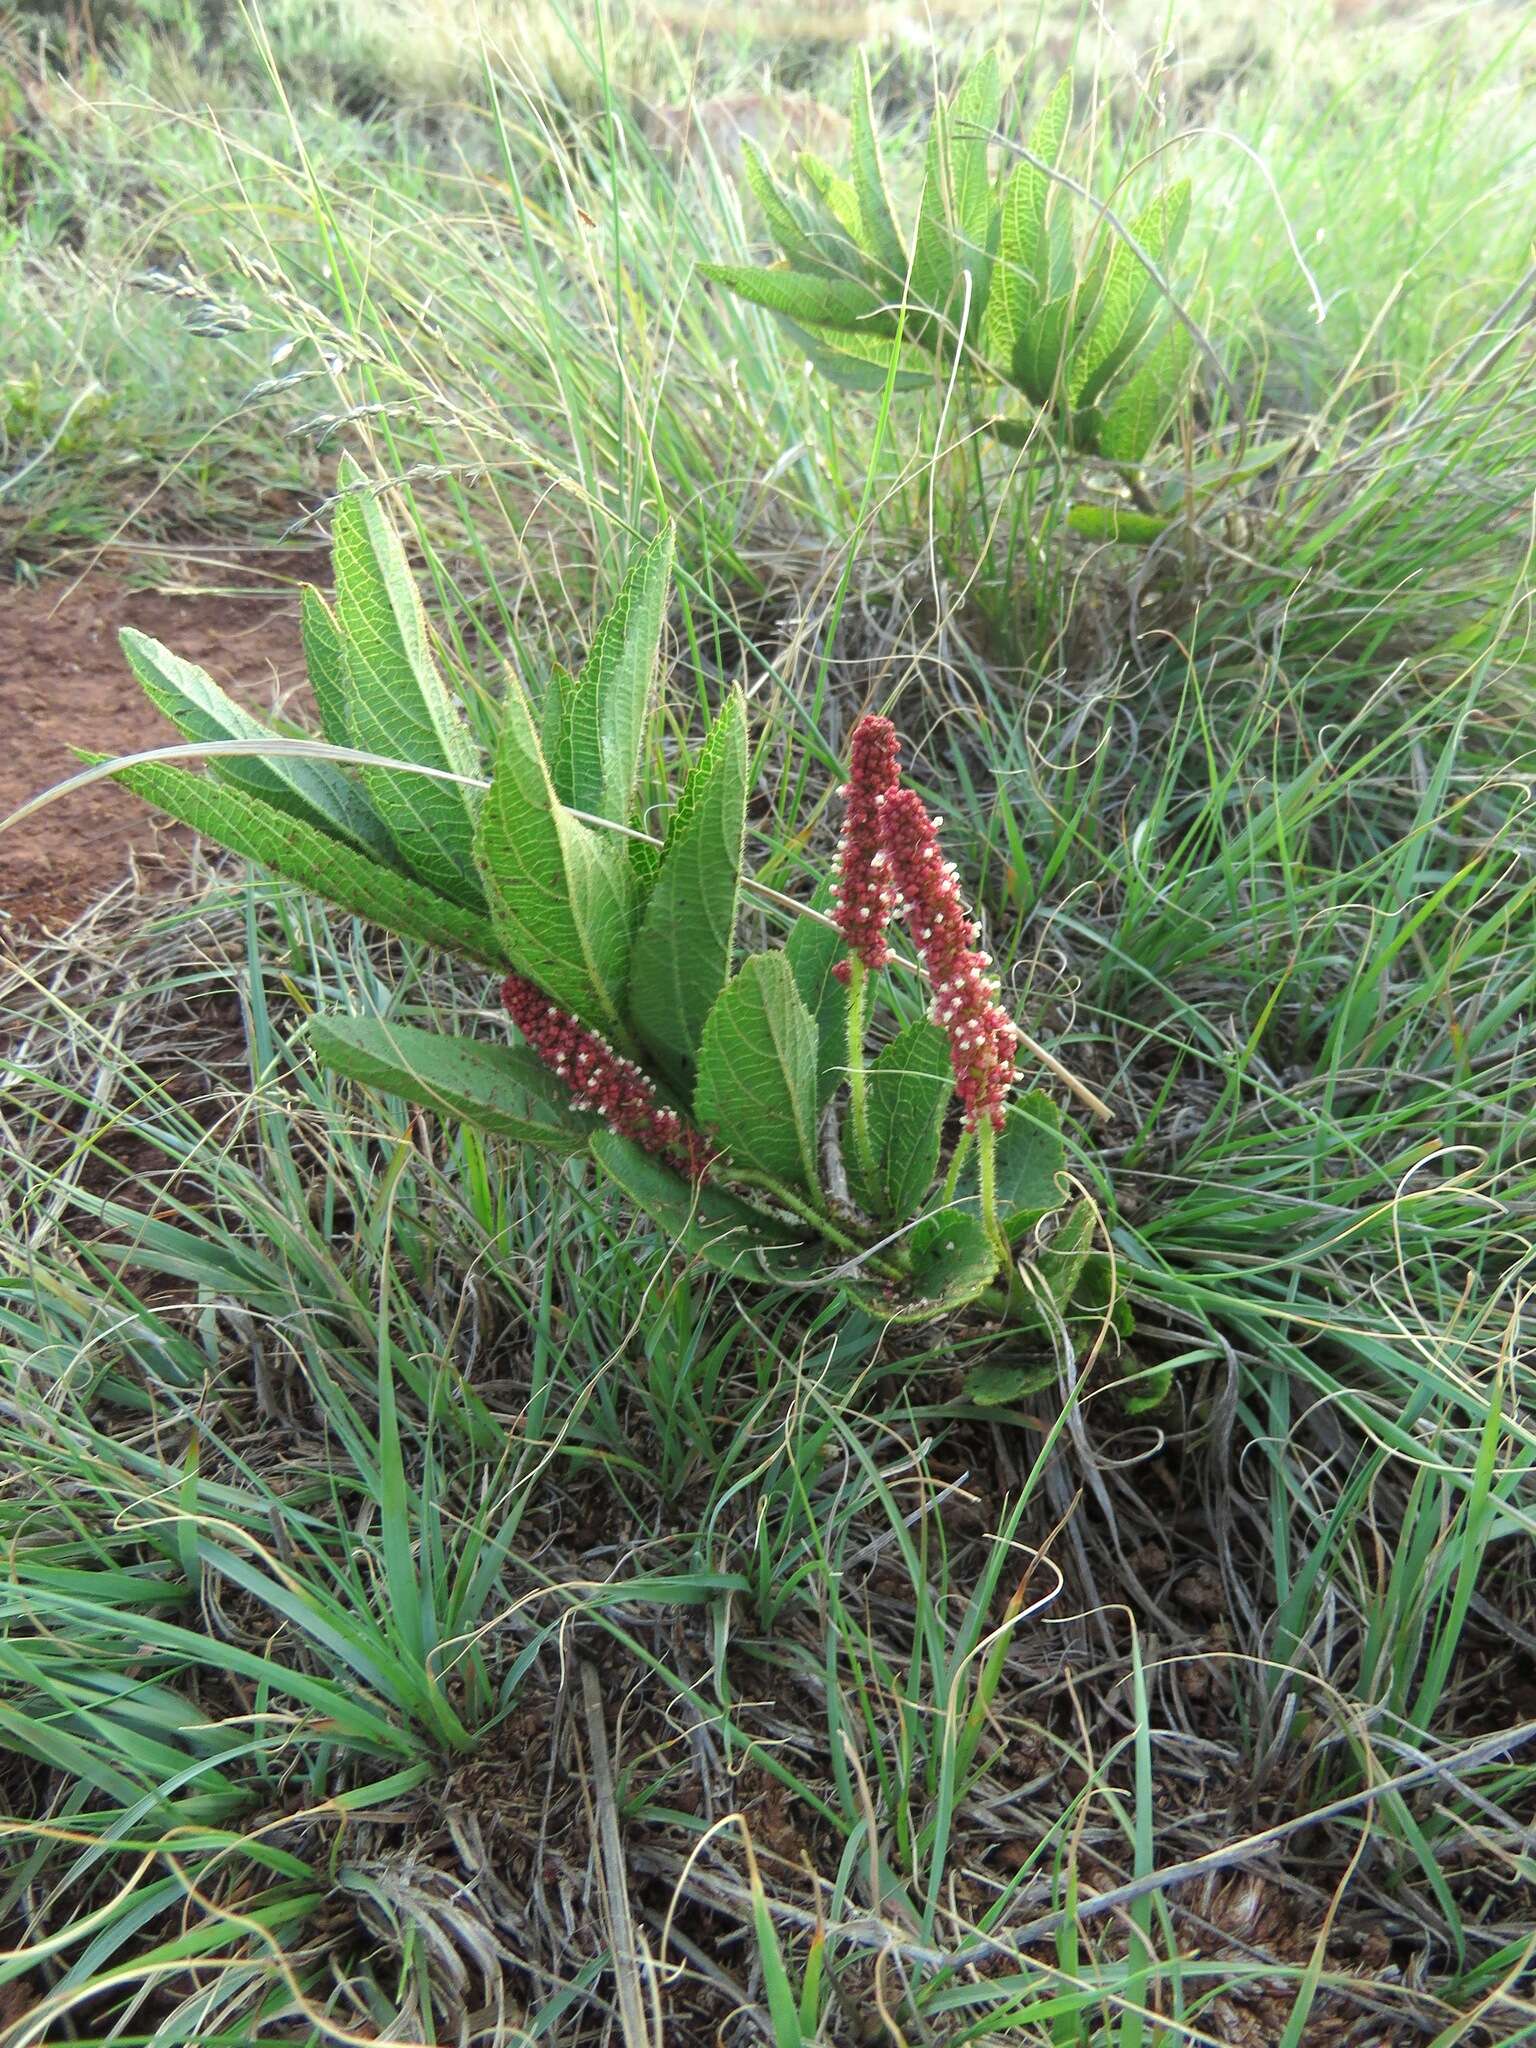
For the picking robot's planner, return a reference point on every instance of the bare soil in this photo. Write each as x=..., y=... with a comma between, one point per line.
x=64, y=684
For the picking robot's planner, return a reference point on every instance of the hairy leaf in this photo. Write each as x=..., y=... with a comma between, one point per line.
x=1030, y=1156
x=1098, y=1295
x=1014, y=433
x=297, y=850
x=555, y=729
x=1119, y=523
x=1033, y=267
x=1142, y=405
x=1146, y=1387
x=398, y=704
x=605, y=714
x=1059, y=1269
x=806, y=242
x=1127, y=301
x=560, y=892
x=955, y=215
x=878, y=231
x=315, y=790
x=1001, y=1384
x=500, y=1088
x=835, y=194
x=908, y=1088
x=972, y=124
x=862, y=362
x=813, y=300
x=706, y=1222
x=757, y=1072
x=326, y=660
x=813, y=950
x=1039, y=348
x=682, y=957
x=953, y=1260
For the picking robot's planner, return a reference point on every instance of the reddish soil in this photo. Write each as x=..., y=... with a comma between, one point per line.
x=64, y=684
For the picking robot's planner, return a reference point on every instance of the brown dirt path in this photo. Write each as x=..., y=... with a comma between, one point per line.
x=64, y=683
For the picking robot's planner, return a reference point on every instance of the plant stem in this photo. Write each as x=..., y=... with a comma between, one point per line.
x=858, y=1099
x=961, y=1153
x=986, y=1161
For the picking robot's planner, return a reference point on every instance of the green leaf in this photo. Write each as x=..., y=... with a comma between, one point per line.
x=908, y=1089
x=813, y=951
x=561, y=893
x=1001, y=1385
x=952, y=1261
x=862, y=362
x=758, y=1073
x=290, y=847
x=326, y=660
x=972, y=125
x=879, y=234
x=1014, y=433
x=706, y=1222
x=1039, y=348
x=1059, y=1269
x=803, y=239
x=397, y=703
x=1123, y=309
x=555, y=734
x=314, y=790
x=682, y=957
x=1119, y=523
x=606, y=713
x=1029, y=309
x=1029, y=1158
x=813, y=300
x=1045, y=227
x=500, y=1088
x=957, y=219
x=1143, y=403
x=1146, y=1388
x=1031, y=196
x=1050, y=131
x=1015, y=292
x=1098, y=1296
x=644, y=865
x=835, y=194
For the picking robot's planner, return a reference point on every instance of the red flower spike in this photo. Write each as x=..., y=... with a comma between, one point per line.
x=982, y=1036
x=601, y=1079
x=863, y=896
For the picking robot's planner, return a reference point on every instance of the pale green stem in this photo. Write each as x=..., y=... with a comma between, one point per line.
x=858, y=1098
x=961, y=1153
x=986, y=1161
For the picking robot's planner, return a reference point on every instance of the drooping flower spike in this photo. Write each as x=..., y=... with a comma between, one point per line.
x=863, y=898
x=601, y=1079
x=983, y=1039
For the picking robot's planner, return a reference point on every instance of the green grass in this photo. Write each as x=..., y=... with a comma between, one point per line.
x=391, y=1529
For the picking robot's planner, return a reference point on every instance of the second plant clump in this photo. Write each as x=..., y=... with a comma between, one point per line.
x=704, y=1086
x=994, y=277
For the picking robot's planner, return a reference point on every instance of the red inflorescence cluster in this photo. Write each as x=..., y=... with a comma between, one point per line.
x=863, y=897
x=601, y=1079
x=983, y=1039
